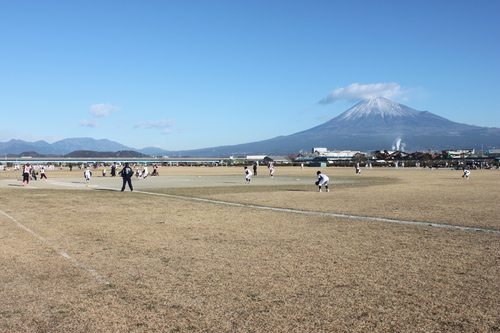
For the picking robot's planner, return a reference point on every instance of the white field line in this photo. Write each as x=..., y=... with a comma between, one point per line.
x=307, y=212
x=62, y=253
x=71, y=184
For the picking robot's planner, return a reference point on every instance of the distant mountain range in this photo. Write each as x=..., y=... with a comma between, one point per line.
x=369, y=125
x=75, y=147
x=61, y=147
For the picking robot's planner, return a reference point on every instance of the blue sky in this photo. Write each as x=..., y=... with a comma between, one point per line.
x=196, y=74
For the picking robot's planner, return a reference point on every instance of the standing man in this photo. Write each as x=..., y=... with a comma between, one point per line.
x=255, y=168
x=87, y=173
x=322, y=180
x=127, y=174
x=26, y=174
x=271, y=169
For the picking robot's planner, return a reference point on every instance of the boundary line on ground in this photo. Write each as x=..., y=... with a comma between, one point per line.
x=59, y=251
x=288, y=210
x=76, y=185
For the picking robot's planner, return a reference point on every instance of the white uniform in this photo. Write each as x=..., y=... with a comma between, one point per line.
x=323, y=179
x=42, y=173
x=248, y=175
x=271, y=170
x=87, y=174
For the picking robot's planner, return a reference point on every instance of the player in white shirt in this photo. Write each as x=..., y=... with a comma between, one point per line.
x=42, y=173
x=248, y=175
x=466, y=174
x=87, y=173
x=322, y=180
x=271, y=169
x=26, y=174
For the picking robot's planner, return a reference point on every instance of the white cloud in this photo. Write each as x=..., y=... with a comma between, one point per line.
x=88, y=123
x=98, y=110
x=162, y=123
x=355, y=92
x=101, y=110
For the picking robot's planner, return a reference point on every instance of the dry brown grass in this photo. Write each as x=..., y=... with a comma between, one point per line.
x=178, y=265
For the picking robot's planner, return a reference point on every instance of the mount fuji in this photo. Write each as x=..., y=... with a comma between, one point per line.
x=382, y=107
x=375, y=124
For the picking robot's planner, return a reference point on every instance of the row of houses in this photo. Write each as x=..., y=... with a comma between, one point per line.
x=318, y=155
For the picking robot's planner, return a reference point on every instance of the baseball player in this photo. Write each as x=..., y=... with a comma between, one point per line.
x=248, y=175
x=322, y=180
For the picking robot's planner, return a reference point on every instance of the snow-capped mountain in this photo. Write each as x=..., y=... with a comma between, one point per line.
x=374, y=125
x=381, y=106
x=382, y=114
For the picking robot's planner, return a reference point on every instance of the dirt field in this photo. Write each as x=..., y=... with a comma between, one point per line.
x=198, y=250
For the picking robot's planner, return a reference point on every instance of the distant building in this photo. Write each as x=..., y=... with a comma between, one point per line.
x=494, y=152
x=460, y=153
x=340, y=154
x=277, y=159
x=319, y=150
x=256, y=158
x=323, y=155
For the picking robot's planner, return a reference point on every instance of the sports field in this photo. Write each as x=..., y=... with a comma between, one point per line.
x=198, y=250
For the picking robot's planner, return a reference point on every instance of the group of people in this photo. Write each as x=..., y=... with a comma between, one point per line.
x=249, y=174
x=127, y=173
x=138, y=173
x=30, y=173
x=322, y=178
x=112, y=173
x=142, y=174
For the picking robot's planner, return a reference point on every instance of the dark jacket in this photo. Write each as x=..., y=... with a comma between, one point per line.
x=127, y=172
